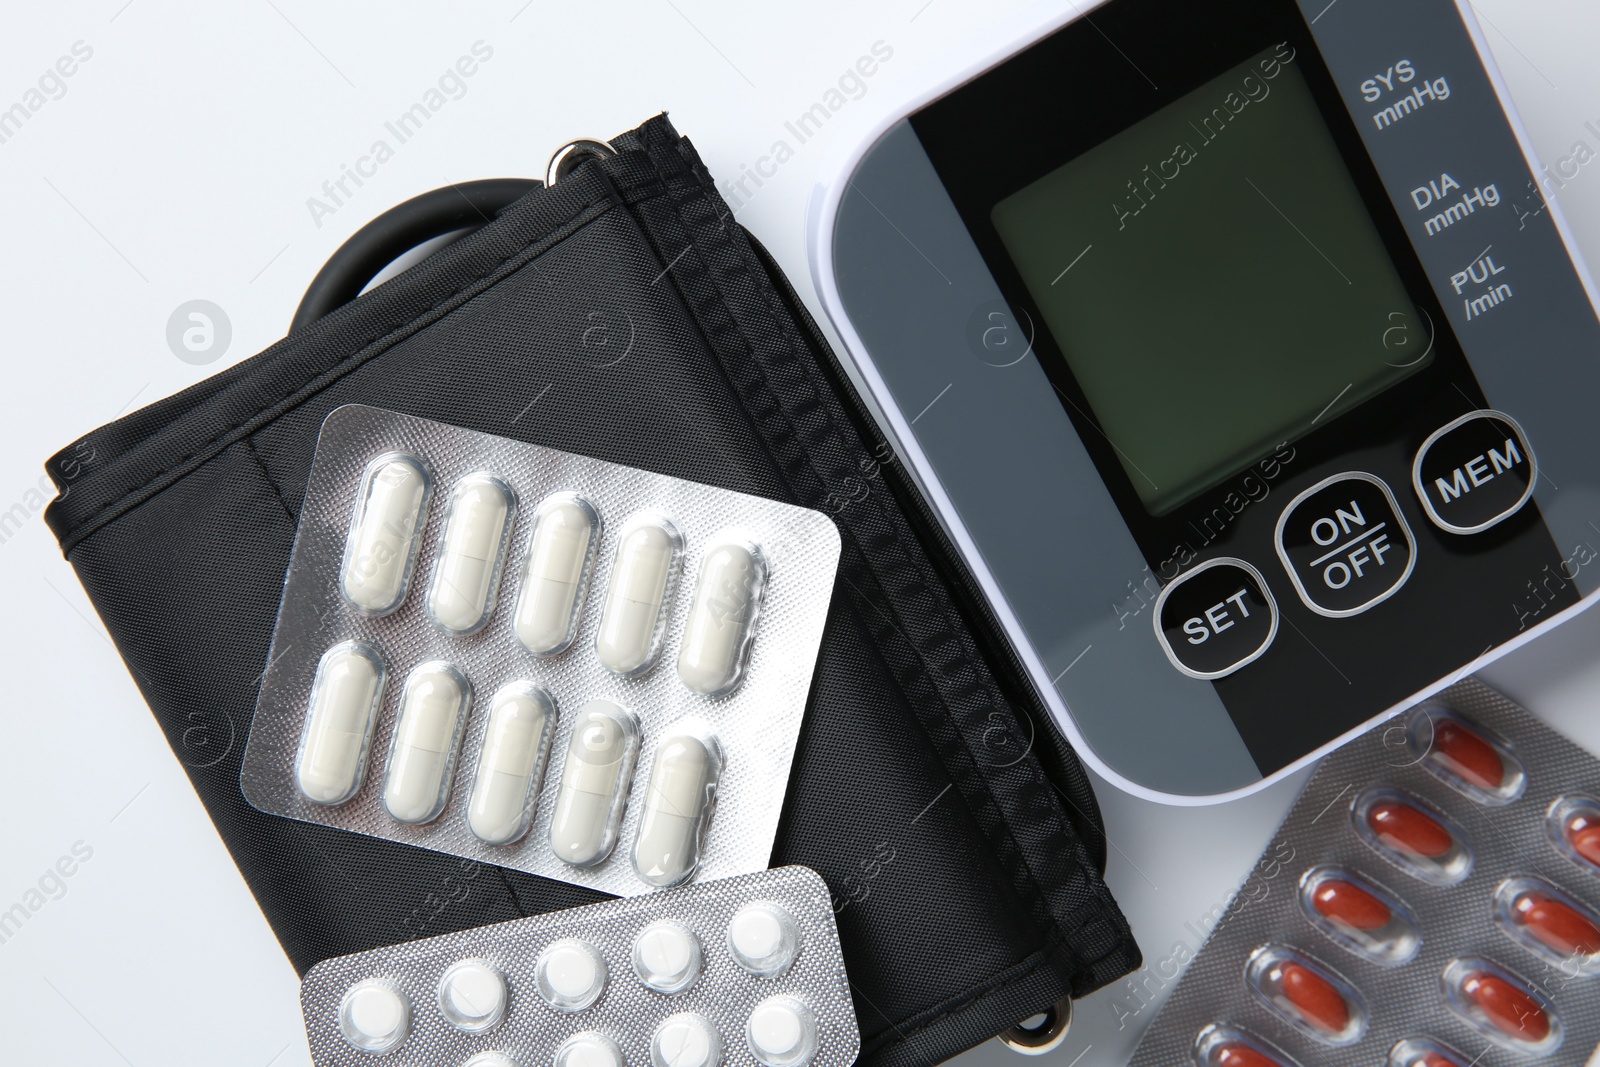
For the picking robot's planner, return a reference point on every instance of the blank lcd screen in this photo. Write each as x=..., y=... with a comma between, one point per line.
x=1214, y=280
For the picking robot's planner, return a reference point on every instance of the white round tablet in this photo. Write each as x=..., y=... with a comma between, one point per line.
x=782, y=1032
x=374, y=1016
x=763, y=938
x=667, y=957
x=491, y=1059
x=588, y=1049
x=685, y=1040
x=472, y=996
x=570, y=974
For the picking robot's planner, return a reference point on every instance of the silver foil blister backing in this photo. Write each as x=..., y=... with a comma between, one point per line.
x=757, y=724
x=627, y=1012
x=1455, y=921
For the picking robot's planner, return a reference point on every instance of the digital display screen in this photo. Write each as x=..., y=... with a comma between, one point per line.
x=1214, y=280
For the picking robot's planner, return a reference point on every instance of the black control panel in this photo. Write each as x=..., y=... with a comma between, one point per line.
x=1301, y=347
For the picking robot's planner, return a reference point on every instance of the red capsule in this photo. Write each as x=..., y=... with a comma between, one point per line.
x=1238, y=1054
x=1468, y=755
x=1514, y=1011
x=1410, y=830
x=1314, y=998
x=1557, y=924
x=1583, y=834
x=1435, y=1059
x=1349, y=904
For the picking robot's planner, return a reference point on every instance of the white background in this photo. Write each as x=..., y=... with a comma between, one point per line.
x=177, y=165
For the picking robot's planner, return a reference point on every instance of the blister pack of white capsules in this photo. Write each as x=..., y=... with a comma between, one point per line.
x=1431, y=900
x=536, y=659
x=740, y=971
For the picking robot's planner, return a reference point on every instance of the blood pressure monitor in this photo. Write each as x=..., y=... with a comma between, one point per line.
x=1243, y=354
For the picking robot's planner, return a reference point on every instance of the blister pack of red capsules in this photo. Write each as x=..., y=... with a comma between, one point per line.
x=1441, y=908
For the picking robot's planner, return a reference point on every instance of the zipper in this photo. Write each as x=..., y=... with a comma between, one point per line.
x=1065, y=771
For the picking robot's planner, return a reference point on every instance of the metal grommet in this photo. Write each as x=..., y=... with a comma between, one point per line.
x=1047, y=1036
x=570, y=155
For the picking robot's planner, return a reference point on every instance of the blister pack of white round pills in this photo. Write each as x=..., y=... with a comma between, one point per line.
x=741, y=971
x=536, y=659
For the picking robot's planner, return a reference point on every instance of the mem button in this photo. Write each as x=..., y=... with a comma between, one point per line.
x=1474, y=472
x=1216, y=618
x=1345, y=544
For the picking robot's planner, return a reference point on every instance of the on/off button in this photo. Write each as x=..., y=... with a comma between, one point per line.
x=1345, y=544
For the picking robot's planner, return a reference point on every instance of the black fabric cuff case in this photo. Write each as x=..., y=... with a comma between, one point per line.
x=623, y=314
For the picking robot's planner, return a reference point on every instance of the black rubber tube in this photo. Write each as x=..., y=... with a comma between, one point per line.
x=397, y=231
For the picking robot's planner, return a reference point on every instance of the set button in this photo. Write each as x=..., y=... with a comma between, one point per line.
x=1345, y=544
x=1475, y=472
x=1216, y=618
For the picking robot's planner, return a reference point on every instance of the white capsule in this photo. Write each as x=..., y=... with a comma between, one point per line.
x=594, y=783
x=427, y=730
x=642, y=576
x=382, y=544
x=332, y=759
x=763, y=938
x=667, y=957
x=677, y=807
x=374, y=1016
x=511, y=762
x=461, y=597
x=566, y=536
x=782, y=1032
x=685, y=1040
x=722, y=617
